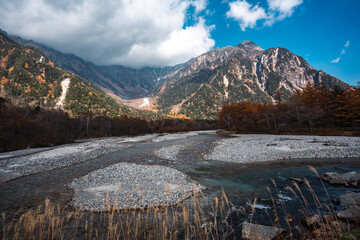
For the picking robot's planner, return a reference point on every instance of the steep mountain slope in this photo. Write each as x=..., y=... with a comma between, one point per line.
x=28, y=77
x=199, y=87
x=124, y=82
x=243, y=72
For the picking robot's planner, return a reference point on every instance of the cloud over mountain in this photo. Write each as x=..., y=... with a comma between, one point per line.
x=132, y=33
x=249, y=15
x=246, y=14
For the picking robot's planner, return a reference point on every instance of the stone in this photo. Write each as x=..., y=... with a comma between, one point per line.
x=350, y=214
x=350, y=179
x=350, y=199
x=251, y=231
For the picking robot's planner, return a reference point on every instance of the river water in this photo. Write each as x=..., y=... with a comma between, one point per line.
x=242, y=183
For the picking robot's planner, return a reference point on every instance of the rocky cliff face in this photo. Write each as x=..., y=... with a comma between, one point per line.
x=244, y=72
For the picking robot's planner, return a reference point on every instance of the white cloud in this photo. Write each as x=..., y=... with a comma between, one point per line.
x=347, y=44
x=128, y=32
x=248, y=15
x=199, y=5
x=343, y=51
x=285, y=8
x=176, y=49
x=336, y=60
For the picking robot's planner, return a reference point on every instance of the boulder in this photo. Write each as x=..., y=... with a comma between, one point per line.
x=350, y=199
x=350, y=204
x=251, y=231
x=350, y=179
x=350, y=214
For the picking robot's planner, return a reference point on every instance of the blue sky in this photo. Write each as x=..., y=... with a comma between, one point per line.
x=138, y=33
x=316, y=30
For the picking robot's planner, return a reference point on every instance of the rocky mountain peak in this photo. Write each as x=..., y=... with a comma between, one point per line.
x=249, y=45
x=245, y=72
x=281, y=57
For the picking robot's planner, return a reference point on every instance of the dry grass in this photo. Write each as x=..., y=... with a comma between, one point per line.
x=172, y=222
x=327, y=225
x=198, y=218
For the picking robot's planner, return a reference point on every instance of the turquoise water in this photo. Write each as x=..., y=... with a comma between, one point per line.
x=243, y=183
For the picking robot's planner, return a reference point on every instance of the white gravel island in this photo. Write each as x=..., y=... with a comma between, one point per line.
x=250, y=148
x=131, y=186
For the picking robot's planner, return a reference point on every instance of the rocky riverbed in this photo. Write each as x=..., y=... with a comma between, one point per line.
x=131, y=186
x=52, y=158
x=136, y=172
x=262, y=147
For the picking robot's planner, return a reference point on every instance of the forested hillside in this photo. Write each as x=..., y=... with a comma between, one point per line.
x=30, y=78
x=122, y=81
x=22, y=127
x=315, y=108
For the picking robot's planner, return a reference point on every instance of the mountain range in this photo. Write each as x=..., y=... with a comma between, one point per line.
x=198, y=88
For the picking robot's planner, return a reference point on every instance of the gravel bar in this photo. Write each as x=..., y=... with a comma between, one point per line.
x=57, y=157
x=261, y=147
x=131, y=186
x=175, y=136
x=171, y=152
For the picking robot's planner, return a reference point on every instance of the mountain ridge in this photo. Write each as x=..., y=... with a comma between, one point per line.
x=245, y=72
x=132, y=83
x=29, y=77
x=199, y=87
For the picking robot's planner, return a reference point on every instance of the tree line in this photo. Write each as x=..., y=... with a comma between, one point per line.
x=22, y=127
x=314, y=108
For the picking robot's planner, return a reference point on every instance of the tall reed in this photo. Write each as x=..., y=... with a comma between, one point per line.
x=196, y=218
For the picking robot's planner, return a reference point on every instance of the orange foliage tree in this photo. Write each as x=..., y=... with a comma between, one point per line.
x=314, y=107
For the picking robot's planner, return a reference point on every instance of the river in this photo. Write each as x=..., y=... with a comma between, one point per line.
x=241, y=182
